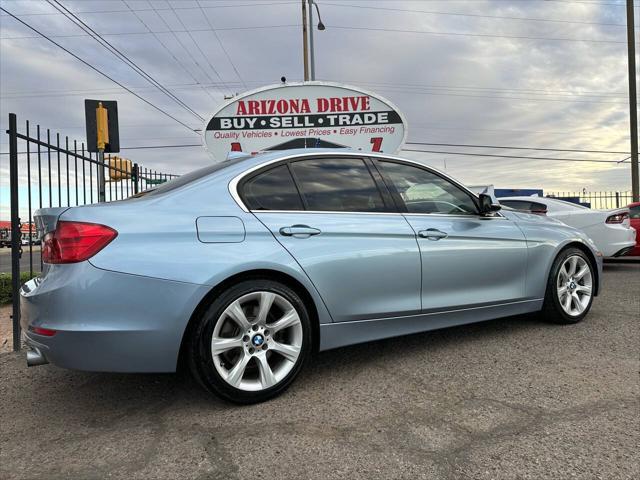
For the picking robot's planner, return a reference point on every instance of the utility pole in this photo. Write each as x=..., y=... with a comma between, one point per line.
x=312, y=54
x=633, y=101
x=305, y=51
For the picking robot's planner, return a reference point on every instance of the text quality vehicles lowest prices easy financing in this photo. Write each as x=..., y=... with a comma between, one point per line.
x=246, y=267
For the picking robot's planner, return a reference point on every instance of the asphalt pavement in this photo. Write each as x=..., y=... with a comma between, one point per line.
x=25, y=261
x=506, y=399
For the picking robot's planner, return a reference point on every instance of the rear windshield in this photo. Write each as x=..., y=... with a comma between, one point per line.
x=523, y=205
x=188, y=178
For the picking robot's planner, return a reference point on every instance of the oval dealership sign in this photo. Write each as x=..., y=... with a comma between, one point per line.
x=305, y=115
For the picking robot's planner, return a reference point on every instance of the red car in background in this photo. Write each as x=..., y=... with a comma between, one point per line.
x=634, y=215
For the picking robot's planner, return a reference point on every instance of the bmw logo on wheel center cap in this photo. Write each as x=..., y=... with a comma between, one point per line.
x=257, y=340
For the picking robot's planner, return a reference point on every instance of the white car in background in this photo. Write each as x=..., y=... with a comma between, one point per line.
x=610, y=229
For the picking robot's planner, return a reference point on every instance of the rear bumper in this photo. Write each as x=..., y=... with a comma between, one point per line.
x=107, y=321
x=623, y=251
x=619, y=240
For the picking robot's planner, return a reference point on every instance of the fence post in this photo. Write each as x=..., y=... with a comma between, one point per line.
x=16, y=234
x=134, y=176
x=617, y=199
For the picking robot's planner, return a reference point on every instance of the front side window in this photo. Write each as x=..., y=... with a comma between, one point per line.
x=272, y=190
x=425, y=192
x=337, y=185
x=634, y=212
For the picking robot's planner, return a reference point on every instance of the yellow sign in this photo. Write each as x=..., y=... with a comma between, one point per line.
x=119, y=168
x=102, y=122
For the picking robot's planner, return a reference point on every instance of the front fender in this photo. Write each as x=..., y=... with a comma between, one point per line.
x=546, y=238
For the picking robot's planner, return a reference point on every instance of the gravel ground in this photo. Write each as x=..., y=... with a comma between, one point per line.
x=506, y=399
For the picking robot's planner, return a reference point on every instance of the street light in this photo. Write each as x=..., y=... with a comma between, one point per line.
x=320, y=24
x=321, y=27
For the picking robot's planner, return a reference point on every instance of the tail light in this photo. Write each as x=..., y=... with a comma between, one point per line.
x=618, y=218
x=45, y=332
x=73, y=242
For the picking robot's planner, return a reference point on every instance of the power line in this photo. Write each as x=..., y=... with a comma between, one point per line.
x=235, y=5
x=442, y=94
x=98, y=70
x=197, y=45
x=515, y=148
x=432, y=12
x=142, y=147
x=533, y=91
x=196, y=84
x=607, y=4
x=483, y=35
x=204, y=14
x=119, y=34
x=180, y=64
x=137, y=147
x=490, y=155
x=121, y=56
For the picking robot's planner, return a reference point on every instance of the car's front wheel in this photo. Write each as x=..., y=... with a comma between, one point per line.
x=251, y=342
x=570, y=288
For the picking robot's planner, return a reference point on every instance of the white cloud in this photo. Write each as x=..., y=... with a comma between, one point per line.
x=452, y=88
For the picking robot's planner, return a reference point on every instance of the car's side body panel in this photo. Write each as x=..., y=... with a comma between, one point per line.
x=363, y=265
x=336, y=335
x=157, y=238
x=481, y=260
x=545, y=239
x=108, y=321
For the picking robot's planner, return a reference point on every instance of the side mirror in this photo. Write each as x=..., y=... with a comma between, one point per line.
x=487, y=206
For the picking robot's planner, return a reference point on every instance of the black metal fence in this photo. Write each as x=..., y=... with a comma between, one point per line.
x=596, y=200
x=47, y=170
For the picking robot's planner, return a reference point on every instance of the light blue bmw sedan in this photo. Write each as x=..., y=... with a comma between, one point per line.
x=244, y=268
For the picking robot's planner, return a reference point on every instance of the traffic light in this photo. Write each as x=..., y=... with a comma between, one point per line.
x=119, y=168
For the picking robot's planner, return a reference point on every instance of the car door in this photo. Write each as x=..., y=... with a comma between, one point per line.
x=342, y=229
x=468, y=259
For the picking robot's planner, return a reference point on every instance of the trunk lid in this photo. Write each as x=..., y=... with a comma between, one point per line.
x=46, y=219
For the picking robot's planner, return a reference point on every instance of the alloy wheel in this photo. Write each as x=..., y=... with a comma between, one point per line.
x=574, y=285
x=256, y=341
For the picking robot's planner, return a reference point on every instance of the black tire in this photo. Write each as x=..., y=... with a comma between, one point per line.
x=552, y=311
x=199, y=353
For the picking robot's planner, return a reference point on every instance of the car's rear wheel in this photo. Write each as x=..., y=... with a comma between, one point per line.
x=570, y=288
x=251, y=342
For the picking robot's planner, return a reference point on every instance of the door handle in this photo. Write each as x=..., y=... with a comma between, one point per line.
x=432, y=234
x=303, y=231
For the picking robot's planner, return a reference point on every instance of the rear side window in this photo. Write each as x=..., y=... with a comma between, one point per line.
x=634, y=212
x=272, y=190
x=337, y=185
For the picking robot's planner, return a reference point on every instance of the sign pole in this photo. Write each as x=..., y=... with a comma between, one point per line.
x=633, y=102
x=102, y=122
x=305, y=45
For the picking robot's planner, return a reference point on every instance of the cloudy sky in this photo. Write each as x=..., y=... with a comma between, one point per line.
x=525, y=73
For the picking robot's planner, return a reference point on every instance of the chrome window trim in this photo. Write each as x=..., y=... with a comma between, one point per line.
x=233, y=184
x=342, y=212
